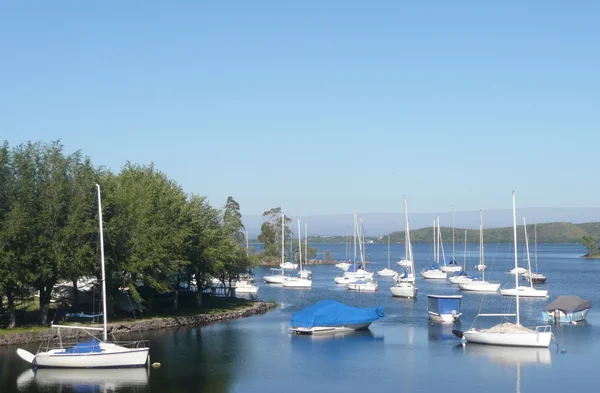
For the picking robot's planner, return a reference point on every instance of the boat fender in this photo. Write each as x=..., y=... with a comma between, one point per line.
x=156, y=365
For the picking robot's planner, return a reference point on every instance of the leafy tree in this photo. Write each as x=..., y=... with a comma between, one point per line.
x=270, y=232
x=590, y=244
x=232, y=221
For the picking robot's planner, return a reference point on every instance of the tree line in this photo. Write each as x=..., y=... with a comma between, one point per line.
x=155, y=235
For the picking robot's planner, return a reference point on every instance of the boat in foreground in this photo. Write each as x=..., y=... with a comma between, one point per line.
x=510, y=334
x=567, y=308
x=329, y=316
x=93, y=353
x=444, y=308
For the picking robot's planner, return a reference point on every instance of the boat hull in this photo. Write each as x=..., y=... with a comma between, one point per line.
x=524, y=292
x=479, y=286
x=112, y=356
x=404, y=290
x=404, y=263
x=274, y=279
x=481, y=267
x=297, y=282
x=444, y=318
x=451, y=269
x=386, y=273
x=368, y=287
x=330, y=329
x=433, y=275
x=459, y=279
x=533, y=339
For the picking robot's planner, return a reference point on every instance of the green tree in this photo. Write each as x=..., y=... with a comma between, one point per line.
x=270, y=233
x=590, y=244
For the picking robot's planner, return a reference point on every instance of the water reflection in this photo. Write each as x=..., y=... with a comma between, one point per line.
x=83, y=380
x=508, y=356
x=437, y=331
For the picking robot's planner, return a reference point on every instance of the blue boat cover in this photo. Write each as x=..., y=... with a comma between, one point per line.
x=433, y=266
x=444, y=305
x=332, y=313
x=85, y=347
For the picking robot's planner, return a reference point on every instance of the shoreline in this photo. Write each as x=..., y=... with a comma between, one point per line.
x=122, y=328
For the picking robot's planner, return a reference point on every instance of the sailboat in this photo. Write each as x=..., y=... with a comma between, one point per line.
x=354, y=272
x=476, y=284
x=93, y=353
x=277, y=276
x=387, y=272
x=510, y=334
x=345, y=265
x=451, y=266
x=462, y=276
x=406, y=288
x=305, y=273
x=298, y=282
x=535, y=277
x=365, y=284
x=408, y=275
x=433, y=271
x=525, y=291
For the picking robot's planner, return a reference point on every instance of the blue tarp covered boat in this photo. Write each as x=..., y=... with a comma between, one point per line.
x=444, y=308
x=329, y=316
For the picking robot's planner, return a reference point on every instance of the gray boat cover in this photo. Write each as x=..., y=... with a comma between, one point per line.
x=569, y=303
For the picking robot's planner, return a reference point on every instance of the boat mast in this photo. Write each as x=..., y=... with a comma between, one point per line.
x=439, y=240
x=305, y=243
x=388, y=251
x=407, y=231
x=465, y=254
x=282, y=242
x=452, y=231
x=527, y=247
x=481, y=253
x=102, y=265
x=406, y=253
x=354, y=257
x=515, y=237
x=299, y=246
x=535, y=235
x=434, y=243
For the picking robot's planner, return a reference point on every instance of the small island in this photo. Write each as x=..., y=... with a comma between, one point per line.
x=593, y=251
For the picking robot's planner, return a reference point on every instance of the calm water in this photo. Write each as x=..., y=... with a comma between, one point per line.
x=402, y=352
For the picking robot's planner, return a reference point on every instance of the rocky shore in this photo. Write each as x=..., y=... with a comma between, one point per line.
x=122, y=328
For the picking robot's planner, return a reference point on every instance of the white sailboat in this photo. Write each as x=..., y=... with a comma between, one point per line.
x=535, y=277
x=354, y=272
x=451, y=266
x=462, y=276
x=305, y=273
x=523, y=290
x=433, y=272
x=298, y=282
x=510, y=334
x=93, y=353
x=387, y=272
x=277, y=276
x=366, y=283
x=406, y=288
x=476, y=284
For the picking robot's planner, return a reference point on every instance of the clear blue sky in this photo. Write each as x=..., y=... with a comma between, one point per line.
x=318, y=106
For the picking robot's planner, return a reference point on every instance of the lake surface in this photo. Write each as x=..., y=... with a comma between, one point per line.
x=402, y=352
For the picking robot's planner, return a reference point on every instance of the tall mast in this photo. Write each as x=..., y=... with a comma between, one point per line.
x=465, y=254
x=481, y=252
x=388, y=251
x=527, y=248
x=515, y=237
x=305, y=243
x=535, y=235
x=452, y=231
x=102, y=265
x=299, y=246
x=282, y=242
x=434, y=242
x=354, y=258
x=406, y=253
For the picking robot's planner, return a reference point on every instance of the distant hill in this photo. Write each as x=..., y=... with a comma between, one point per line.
x=554, y=232
x=379, y=224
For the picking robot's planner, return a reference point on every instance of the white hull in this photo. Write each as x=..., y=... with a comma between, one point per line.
x=112, y=355
x=288, y=265
x=404, y=290
x=297, y=282
x=518, y=270
x=459, y=279
x=363, y=287
x=305, y=274
x=444, y=318
x=342, y=265
x=410, y=279
x=479, y=286
x=330, y=329
x=524, y=292
x=386, y=273
x=433, y=274
x=245, y=287
x=274, y=279
x=359, y=274
x=451, y=269
x=531, y=339
x=404, y=263
x=346, y=280
x=480, y=267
